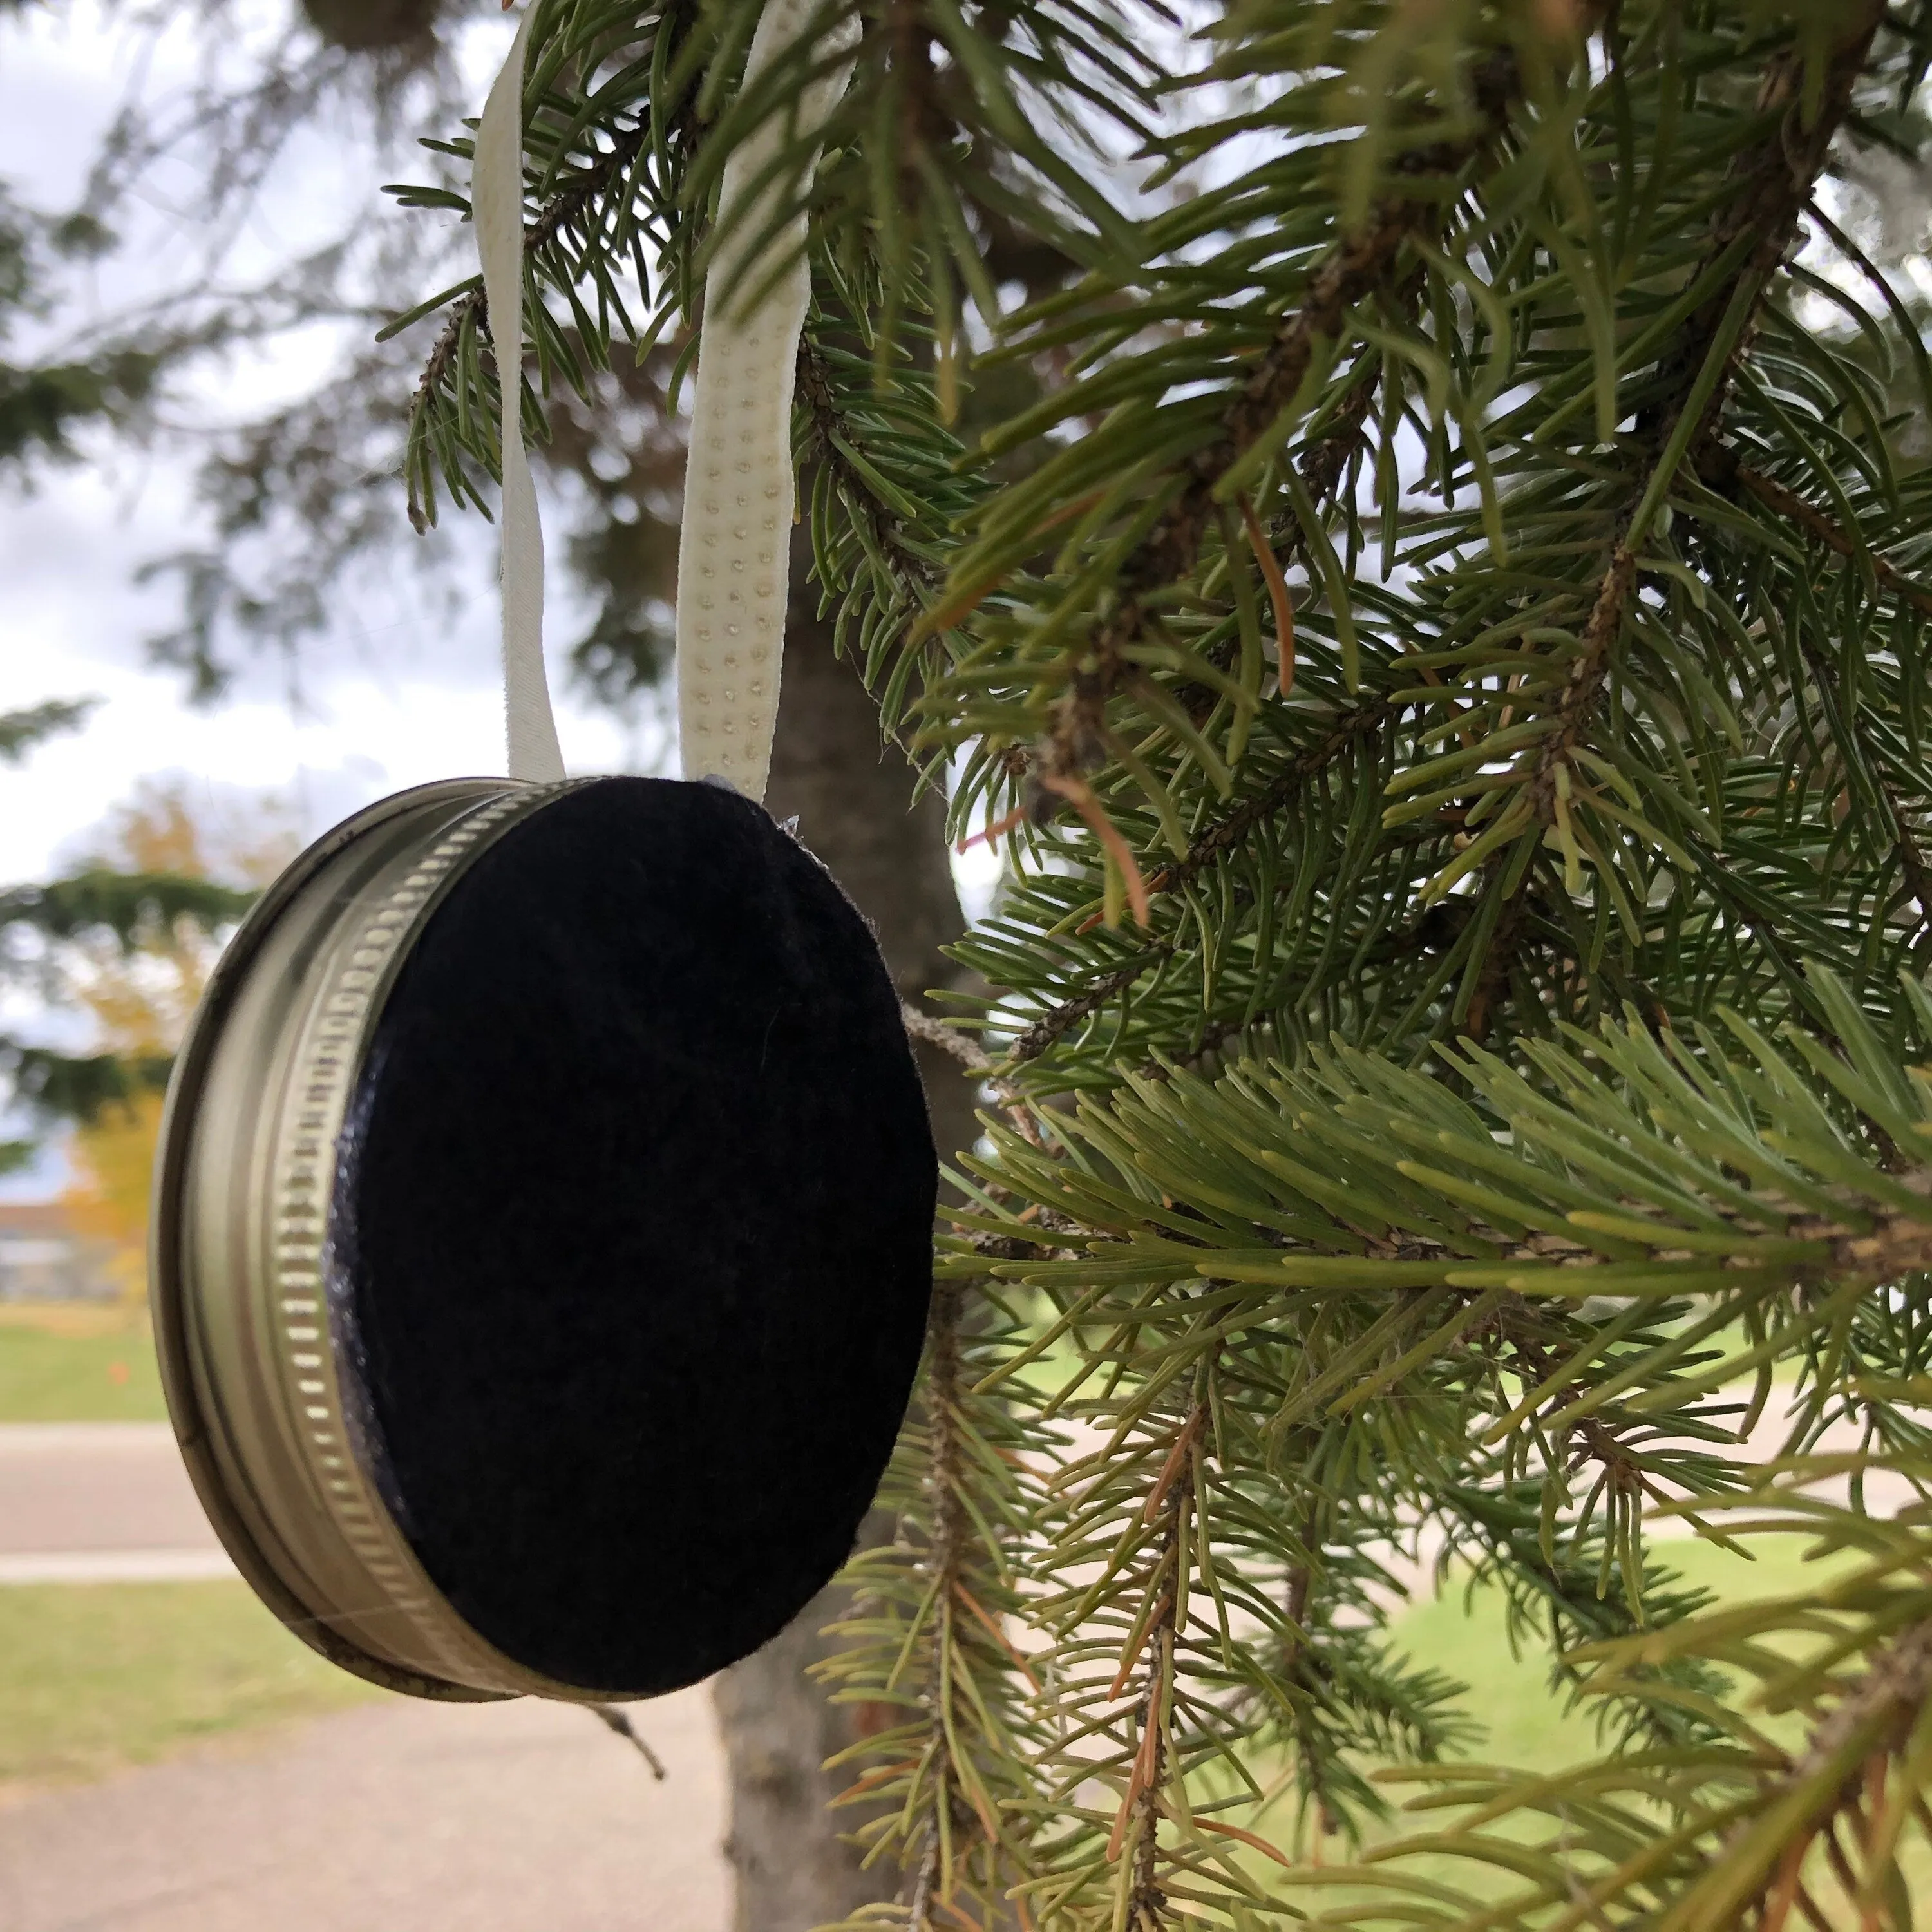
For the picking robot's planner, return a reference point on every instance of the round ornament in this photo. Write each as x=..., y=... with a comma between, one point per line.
x=543, y=1236
x=542, y=1229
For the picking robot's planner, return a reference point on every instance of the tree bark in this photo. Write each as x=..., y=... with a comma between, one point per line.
x=792, y=1870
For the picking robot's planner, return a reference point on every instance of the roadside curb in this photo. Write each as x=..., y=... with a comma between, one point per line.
x=114, y=1566
x=63, y=1437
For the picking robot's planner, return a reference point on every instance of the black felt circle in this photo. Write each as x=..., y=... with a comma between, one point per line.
x=631, y=1237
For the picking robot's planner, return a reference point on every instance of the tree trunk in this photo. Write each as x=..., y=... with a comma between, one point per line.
x=854, y=807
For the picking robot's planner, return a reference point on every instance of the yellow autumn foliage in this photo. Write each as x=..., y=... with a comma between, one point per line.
x=141, y=1000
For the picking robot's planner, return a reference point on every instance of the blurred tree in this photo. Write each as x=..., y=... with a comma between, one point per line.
x=140, y=988
x=128, y=939
x=42, y=404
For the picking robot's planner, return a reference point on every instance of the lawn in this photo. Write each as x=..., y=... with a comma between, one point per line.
x=1525, y=1724
x=66, y=1362
x=94, y=1676
x=98, y=1675
x=1528, y=1727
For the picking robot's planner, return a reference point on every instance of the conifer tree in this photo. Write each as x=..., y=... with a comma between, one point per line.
x=93, y=938
x=1429, y=585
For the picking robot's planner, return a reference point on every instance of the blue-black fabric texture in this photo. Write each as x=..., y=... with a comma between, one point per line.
x=631, y=1235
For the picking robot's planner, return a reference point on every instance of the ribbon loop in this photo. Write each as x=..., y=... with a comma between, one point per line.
x=497, y=193
x=734, y=545
x=733, y=558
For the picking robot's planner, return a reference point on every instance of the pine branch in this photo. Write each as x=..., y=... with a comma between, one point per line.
x=1141, y=1808
x=1726, y=471
x=1226, y=833
x=470, y=314
x=830, y=442
x=21, y=731
x=1322, y=467
x=1630, y=711
x=1212, y=845
x=1774, y=185
x=616, y=1720
x=947, y=1561
x=1356, y=267
x=948, y=1039
x=1912, y=862
x=1062, y=1018
x=1723, y=466
x=928, y=1640
x=124, y=906
x=610, y=123
x=1750, y=1829
x=1872, y=1720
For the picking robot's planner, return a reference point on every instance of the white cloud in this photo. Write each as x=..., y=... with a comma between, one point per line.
x=388, y=695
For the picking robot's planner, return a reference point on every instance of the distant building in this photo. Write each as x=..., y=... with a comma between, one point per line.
x=44, y=1258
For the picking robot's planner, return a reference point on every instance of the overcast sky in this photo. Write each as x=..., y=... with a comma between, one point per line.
x=379, y=705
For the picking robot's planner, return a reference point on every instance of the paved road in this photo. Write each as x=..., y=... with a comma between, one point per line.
x=393, y=1817
x=99, y=1501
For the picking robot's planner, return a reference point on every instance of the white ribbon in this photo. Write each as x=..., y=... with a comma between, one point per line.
x=496, y=196
x=733, y=549
x=733, y=556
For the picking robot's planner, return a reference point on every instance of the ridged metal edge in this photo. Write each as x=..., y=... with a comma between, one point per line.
x=320, y=1052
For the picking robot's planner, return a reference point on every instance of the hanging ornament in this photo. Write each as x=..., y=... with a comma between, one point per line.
x=542, y=1221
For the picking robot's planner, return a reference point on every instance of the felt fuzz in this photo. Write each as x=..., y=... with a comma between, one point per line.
x=630, y=1240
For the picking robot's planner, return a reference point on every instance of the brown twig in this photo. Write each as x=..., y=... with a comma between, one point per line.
x=1321, y=469
x=1142, y=1804
x=947, y=1788
x=1787, y=504
x=998, y=1636
x=619, y=1722
x=934, y=1031
x=1177, y=1459
x=945, y=1555
x=1278, y=597
x=1062, y=1018
x=1078, y=793
x=1784, y=1893
x=1131, y=1656
x=1260, y=1844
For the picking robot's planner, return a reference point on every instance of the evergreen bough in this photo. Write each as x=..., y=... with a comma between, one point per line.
x=123, y=910
x=1411, y=520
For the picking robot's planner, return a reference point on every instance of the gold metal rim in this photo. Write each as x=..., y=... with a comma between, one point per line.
x=239, y=1262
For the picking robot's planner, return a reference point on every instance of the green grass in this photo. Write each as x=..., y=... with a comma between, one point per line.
x=1528, y=1726
x=78, y=1365
x=94, y=1676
